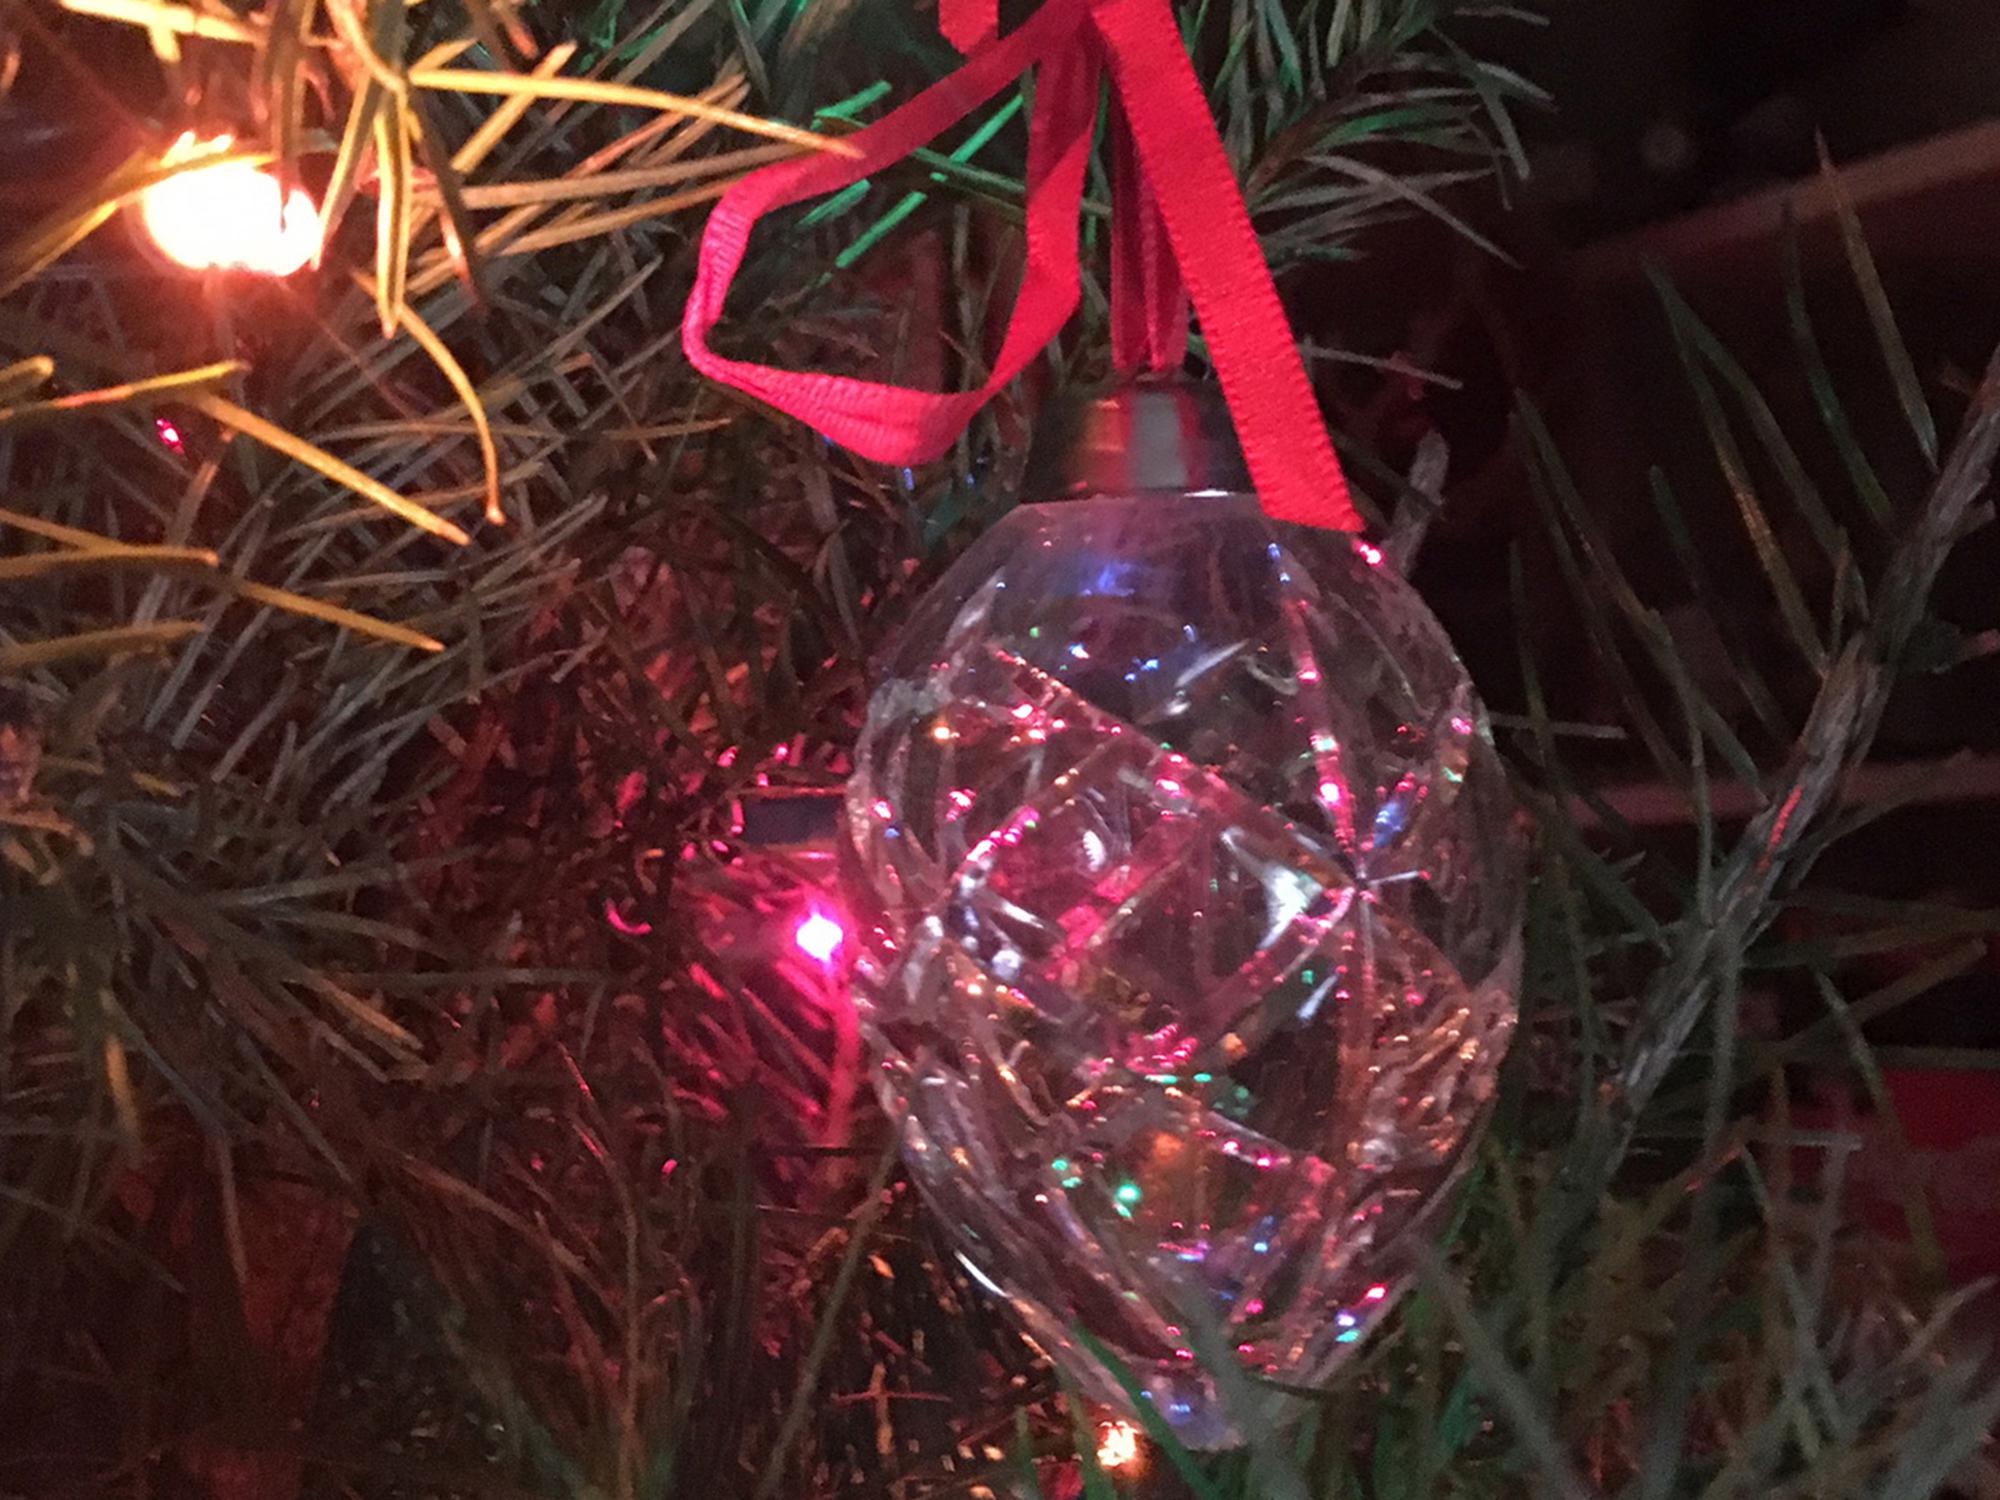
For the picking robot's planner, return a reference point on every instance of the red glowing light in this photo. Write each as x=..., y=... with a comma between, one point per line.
x=230, y=215
x=819, y=937
x=623, y=923
x=169, y=434
x=1376, y=1292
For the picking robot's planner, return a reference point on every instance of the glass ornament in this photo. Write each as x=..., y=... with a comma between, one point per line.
x=1187, y=892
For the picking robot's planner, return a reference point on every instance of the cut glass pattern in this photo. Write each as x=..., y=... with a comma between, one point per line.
x=1189, y=903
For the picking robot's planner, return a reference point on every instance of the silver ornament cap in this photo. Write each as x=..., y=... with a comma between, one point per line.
x=1142, y=436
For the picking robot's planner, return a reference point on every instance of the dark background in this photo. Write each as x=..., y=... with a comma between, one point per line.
x=1684, y=136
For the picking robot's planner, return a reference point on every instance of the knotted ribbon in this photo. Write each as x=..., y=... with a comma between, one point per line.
x=1178, y=219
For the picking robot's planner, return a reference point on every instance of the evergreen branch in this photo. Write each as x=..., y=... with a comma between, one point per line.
x=1845, y=716
x=249, y=855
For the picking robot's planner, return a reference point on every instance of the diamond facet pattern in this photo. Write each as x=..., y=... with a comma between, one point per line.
x=1190, y=904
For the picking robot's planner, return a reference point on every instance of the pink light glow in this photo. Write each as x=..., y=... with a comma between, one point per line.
x=1377, y=1292
x=228, y=216
x=169, y=434
x=1371, y=554
x=624, y=924
x=819, y=937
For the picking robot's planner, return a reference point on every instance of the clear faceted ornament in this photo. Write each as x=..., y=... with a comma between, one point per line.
x=1189, y=894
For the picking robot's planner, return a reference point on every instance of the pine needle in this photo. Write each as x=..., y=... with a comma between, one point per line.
x=43, y=564
x=25, y=375
x=333, y=614
x=117, y=640
x=454, y=372
x=229, y=414
x=124, y=394
x=596, y=91
x=161, y=15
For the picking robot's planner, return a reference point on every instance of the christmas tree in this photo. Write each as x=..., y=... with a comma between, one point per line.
x=425, y=1066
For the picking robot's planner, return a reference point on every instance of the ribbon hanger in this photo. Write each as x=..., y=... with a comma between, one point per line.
x=1178, y=221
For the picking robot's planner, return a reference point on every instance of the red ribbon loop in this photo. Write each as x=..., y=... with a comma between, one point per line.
x=1149, y=306
x=1179, y=216
x=969, y=24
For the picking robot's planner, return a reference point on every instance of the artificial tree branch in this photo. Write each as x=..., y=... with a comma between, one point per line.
x=1837, y=735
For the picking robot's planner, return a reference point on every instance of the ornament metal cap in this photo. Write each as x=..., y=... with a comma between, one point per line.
x=1159, y=436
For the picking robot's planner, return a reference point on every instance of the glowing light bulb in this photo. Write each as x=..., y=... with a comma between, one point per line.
x=630, y=926
x=228, y=216
x=1117, y=1444
x=819, y=937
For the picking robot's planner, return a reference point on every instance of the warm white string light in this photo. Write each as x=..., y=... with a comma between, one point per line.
x=229, y=215
x=1117, y=1445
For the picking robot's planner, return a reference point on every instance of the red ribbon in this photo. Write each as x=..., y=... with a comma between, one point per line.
x=1149, y=305
x=1179, y=216
x=969, y=24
